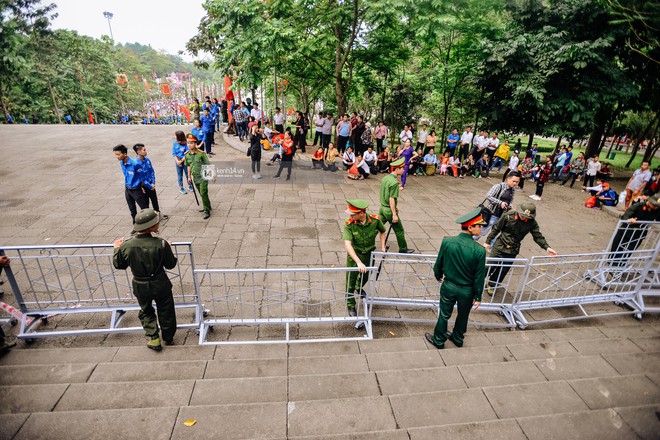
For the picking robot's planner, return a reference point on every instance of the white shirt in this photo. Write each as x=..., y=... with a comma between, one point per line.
x=256, y=113
x=405, y=135
x=421, y=136
x=493, y=143
x=638, y=179
x=592, y=167
x=364, y=166
x=319, y=124
x=370, y=157
x=513, y=163
x=466, y=137
x=478, y=139
x=349, y=157
x=278, y=118
x=268, y=132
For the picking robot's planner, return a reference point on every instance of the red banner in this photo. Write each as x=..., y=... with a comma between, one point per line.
x=165, y=89
x=185, y=111
x=229, y=94
x=90, y=118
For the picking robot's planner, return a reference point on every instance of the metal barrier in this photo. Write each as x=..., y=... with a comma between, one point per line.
x=71, y=281
x=407, y=283
x=279, y=305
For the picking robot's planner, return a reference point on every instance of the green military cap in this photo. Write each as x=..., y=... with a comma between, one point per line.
x=356, y=205
x=527, y=210
x=471, y=218
x=397, y=163
x=146, y=219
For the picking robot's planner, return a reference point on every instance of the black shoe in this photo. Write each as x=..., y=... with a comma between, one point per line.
x=165, y=216
x=408, y=251
x=451, y=338
x=206, y=215
x=133, y=232
x=352, y=312
x=169, y=342
x=362, y=293
x=429, y=337
x=200, y=210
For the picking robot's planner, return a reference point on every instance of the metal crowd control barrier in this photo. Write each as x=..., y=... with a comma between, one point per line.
x=407, y=283
x=279, y=305
x=71, y=281
x=641, y=236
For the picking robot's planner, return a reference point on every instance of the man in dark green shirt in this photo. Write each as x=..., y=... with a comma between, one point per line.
x=389, y=195
x=462, y=263
x=630, y=235
x=510, y=231
x=148, y=257
x=360, y=232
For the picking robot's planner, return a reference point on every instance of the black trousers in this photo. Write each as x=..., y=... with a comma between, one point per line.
x=133, y=197
x=326, y=140
x=287, y=164
x=318, y=136
x=379, y=145
x=497, y=273
x=279, y=128
x=341, y=143
x=539, y=188
x=153, y=198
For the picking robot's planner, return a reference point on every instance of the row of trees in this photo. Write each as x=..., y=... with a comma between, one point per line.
x=567, y=68
x=46, y=74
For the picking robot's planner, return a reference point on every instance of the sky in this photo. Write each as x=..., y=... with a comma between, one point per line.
x=162, y=24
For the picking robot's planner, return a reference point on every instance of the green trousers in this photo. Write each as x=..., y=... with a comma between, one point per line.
x=386, y=216
x=203, y=190
x=160, y=292
x=451, y=294
x=354, y=279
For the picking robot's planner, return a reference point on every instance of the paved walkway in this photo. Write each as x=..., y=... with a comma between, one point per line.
x=64, y=186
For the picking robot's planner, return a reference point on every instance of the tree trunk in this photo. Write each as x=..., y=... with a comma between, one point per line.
x=650, y=151
x=558, y=143
x=382, y=101
x=596, y=134
x=570, y=144
x=340, y=93
x=640, y=139
x=531, y=141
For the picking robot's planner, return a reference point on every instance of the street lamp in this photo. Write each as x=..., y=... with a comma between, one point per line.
x=109, y=15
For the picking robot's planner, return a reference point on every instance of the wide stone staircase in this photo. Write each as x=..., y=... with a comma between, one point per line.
x=570, y=383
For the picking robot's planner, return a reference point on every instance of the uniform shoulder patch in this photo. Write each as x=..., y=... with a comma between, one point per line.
x=374, y=216
x=348, y=222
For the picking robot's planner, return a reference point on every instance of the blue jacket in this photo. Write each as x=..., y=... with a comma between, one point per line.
x=133, y=173
x=178, y=150
x=208, y=123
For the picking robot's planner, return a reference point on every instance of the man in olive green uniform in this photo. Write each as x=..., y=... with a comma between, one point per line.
x=360, y=232
x=389, y=194
x=194, y=160
x=462, y=263
x=510, y=231
x=148, y=257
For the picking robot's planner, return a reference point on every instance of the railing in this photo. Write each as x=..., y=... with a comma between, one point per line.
x=280, y=305
x=71, y=282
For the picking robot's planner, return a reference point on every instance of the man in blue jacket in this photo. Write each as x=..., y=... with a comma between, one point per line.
x=133, y=184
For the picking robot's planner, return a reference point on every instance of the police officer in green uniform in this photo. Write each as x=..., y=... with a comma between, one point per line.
x=389, y=194
x=148, y=257
x=462, y=263
x=510, y=231
x=359, y=234
x=194, y=160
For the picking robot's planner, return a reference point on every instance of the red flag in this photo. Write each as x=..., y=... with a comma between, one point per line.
x=185, y=111
x=90, y=118
x=153, y=106
x=229, y=94
x=165, y=89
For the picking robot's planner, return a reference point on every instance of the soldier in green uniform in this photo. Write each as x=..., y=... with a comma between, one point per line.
x=194, y=160
x=148, y=257
x=462, y=263
x=510, y=231
x=389, y=194
x=359, y=234
x=631, y=235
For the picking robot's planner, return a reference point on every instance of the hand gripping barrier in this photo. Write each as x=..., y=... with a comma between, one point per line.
x=280, y=305
x=406, y=282
x=65, y=289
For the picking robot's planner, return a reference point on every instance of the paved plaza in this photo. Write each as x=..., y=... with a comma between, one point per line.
x=64, y=186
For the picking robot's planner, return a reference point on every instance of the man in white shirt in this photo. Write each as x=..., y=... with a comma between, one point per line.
x=256, y=113
x=278, y=120
x=405, y=135
x=466, y=142
x=318, y=135
x=421, y=137
x=491, y=147
x=370, y=157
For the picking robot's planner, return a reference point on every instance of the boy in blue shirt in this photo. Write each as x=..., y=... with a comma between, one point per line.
x=148, y=176
x=133, y=190
x=208, y=127
x=179, y=149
